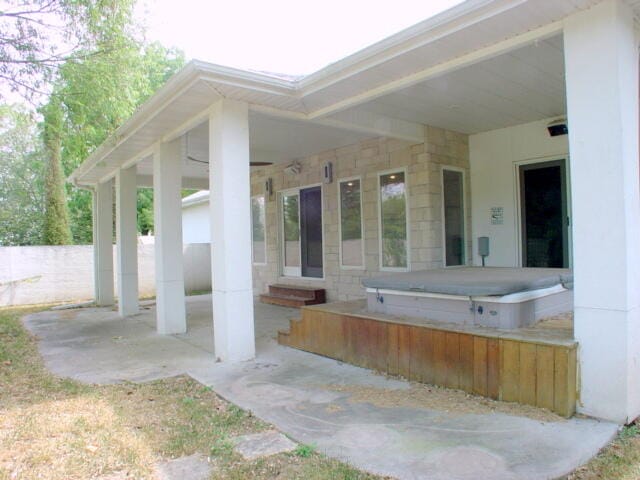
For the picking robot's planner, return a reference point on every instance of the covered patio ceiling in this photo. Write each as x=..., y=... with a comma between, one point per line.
x=480, y=66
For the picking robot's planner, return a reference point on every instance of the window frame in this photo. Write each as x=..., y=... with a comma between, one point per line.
x=407, y=221
x=340, y=182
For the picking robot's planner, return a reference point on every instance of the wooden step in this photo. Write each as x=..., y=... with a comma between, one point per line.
x=293, y=296
x=307, y=293
x=295, y=302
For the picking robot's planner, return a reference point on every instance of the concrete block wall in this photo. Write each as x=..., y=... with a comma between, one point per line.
x=50, y=274
x=423, y=164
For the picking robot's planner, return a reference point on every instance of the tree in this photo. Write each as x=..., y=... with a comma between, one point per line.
x=98, y=94
x=21, y=178
x=38, y=36
x=56, y=217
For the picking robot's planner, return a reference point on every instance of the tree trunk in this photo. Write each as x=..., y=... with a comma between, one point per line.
x=56, y=218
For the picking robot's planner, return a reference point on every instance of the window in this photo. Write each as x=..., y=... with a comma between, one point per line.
x=351, y=247
x=291, y=232
x=453, y=214
x=258, y=230
x=393, y=221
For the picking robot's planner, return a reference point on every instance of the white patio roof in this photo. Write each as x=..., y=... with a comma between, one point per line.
x=482, y=65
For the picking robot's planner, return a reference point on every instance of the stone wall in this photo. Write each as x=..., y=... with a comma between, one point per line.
x=423, y=164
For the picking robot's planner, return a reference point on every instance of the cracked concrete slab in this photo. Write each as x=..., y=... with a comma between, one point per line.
x=289, y=389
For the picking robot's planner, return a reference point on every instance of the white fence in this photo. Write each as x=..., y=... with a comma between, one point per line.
x=43, y=274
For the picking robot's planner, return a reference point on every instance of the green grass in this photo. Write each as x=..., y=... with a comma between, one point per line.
x=304, y=451
x=619, y=460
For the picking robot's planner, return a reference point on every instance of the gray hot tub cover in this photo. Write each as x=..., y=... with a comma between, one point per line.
x=473, y=281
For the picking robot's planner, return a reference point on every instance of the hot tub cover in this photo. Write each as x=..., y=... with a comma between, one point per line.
x=473, y=281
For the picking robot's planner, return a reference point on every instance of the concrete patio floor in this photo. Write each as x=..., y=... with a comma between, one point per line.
x=291, y=389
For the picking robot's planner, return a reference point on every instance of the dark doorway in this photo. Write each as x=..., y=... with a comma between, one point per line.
x=453, y=202
x=544, y=215
x=311, y=231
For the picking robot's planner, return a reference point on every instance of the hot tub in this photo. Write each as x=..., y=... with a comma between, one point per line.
x=499, y=297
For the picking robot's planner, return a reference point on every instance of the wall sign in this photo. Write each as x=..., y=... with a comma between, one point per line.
x=497, y=215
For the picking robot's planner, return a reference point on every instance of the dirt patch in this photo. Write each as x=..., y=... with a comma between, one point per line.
x=441, y=399
x=68, y=439
x=563, y=321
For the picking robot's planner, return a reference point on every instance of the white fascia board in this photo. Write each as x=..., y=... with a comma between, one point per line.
x=242, y=78
x=468, y=59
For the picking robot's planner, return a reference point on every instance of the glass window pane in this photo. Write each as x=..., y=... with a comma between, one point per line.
x=351, y=223
x=453, y=191
x=393, y=210
x=258, y=230
x=291, y=221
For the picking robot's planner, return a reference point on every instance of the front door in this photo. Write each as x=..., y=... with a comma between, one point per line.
x=302, y=232
x=544, y=215
x=311, y=231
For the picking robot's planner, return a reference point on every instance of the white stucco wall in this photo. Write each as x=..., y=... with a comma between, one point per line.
x=195, y=223
x=45, y=274
x=494, y=157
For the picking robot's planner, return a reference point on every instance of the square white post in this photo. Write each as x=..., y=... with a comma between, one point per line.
x=94, y=212
x=127, y=241
x=230, y=209
x=601, y=62
x=103, y=243
x=167, y=210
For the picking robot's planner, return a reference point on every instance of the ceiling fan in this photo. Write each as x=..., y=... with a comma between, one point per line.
x=206, y=162
x=251, y=164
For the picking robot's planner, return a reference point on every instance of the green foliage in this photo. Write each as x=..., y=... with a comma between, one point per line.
x=145, y=211
x=394, y=225
x=304, y=450
x=21, y=178
x=56, y=218
x=96, y=87
x=350, y=211
x=99, y=94
x=257, y=219
x=40, y=35
x=290, y=213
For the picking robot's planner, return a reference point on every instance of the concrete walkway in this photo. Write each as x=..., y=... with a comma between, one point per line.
x=296, y=392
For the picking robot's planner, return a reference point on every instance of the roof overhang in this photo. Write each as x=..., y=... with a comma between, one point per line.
x=466, y=35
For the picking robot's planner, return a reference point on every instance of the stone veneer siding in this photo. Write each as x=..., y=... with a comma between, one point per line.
x=423, y=163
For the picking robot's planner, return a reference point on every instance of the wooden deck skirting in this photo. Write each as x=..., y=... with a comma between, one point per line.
x=505, y=367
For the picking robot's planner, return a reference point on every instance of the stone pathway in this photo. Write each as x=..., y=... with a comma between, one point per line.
x=263, y=444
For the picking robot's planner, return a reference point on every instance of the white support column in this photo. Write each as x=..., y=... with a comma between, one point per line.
x=230, y=207
x=127, y=241
x=167, y=209
x=103, y=243
x=601, y=61
x=94, y=213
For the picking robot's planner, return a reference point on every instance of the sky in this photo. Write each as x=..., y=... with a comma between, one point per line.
x=284, y=36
